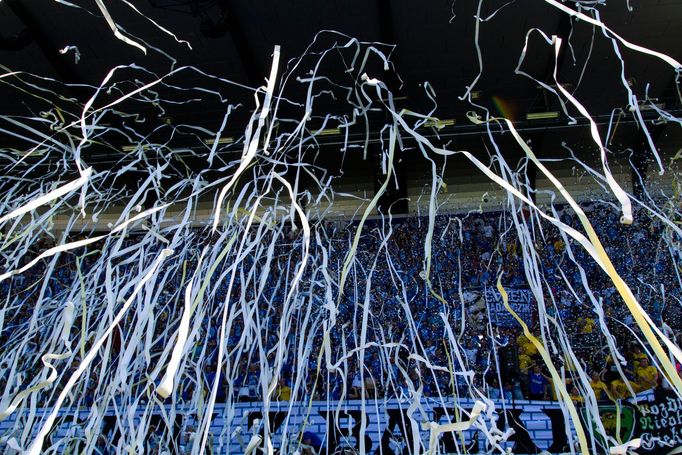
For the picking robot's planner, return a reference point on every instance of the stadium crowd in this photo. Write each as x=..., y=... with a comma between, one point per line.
x=440, y=339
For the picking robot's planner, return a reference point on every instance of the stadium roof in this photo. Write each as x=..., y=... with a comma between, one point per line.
x=435, y=42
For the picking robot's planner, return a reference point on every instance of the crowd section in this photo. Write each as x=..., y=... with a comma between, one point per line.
x=389, y=334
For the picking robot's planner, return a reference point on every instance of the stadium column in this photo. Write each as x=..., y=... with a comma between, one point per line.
x=395, y=196
x=531, y=175
x=536, y=138
x=535, y=141
x=639, y=170
x=640, y=159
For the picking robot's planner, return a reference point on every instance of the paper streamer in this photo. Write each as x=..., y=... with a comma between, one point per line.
x=280, y=275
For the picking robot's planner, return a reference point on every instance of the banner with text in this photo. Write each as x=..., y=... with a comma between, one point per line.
x=520, y=300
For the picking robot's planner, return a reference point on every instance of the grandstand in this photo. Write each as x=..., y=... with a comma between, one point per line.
x=226, y=228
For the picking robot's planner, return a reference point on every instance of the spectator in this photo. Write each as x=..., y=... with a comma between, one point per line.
x=598, y=387
x=575, y=394
x=646, y=376
x=283, y=391
x=538, y=384
x=311, y=443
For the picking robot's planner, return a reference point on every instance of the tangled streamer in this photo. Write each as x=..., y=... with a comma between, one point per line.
x=191, y=269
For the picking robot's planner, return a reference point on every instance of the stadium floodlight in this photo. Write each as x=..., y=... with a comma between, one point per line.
x=133, y=147
x=439, y=124
x=542, y=115
x=221, y=141
x=328, y=132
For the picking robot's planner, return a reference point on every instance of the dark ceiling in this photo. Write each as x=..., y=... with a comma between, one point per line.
x=435, y=43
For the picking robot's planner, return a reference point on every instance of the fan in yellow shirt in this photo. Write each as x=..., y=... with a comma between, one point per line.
x=619, y=390
x=559, y=245
x=586, y=325
x=575, y=395
x=526, y=346
x=646, y=375
x=283, y=391
x=637, y=354
x=525, y=362
x=600, y=389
